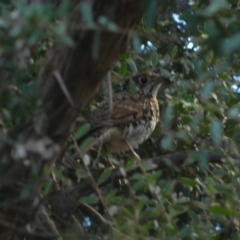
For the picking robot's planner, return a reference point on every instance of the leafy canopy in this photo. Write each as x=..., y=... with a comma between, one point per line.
x=195, y=46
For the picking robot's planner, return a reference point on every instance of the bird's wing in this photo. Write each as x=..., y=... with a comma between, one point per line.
x=125, y=108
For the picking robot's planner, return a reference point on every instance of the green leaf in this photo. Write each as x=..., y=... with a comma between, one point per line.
x=208, y=89
x=104, y=176
x=89, y=199
x=86, y=160
x=148, y=165
x=47, y=187
x=86, y=143
x=167, y=142
x=165, y=73
x=188, y=65
x=156, y=175
x=113, y=210
x=82, y=130
x=168, y=115
x=144, y=199
x=185, y=232
x=131, y=164
x=187, y=182
x=111, y=195
x=123, y=69
x=174, y=52
x=136, y=43
x=231, y=43
x=198, y=204
x=216, y=131
x=132, y=87
x=221, y=210
x=233, y=112
x=235, y=236
x=132, y=66
x=137, y=176
x=203, y=160
x=150, y=213
x=61, y=34
x=103, y=21
x=127, y=212
x=214, y=7
x=138, y=185
x=154, y=58
x=151, y=13
x=166, y=58
x=81, y=173
x=193, y=215
x=124, y=56
x=86, y=11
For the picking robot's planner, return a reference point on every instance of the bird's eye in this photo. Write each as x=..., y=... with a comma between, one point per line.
x=143, y=80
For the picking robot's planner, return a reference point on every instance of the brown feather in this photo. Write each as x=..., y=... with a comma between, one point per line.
x=132, y=119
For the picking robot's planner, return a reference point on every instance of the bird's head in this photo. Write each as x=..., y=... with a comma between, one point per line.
x=147, y=84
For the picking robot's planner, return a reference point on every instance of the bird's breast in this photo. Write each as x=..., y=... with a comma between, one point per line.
x=134, y=132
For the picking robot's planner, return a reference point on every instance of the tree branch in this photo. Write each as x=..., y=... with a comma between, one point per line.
x=65, y=202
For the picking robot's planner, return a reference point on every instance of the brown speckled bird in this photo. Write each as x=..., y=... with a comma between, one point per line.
x=132, y=119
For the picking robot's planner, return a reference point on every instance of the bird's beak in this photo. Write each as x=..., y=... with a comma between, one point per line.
x=156, y=76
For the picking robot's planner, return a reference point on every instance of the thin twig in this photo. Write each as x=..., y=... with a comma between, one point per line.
x=90, y=211
x=92, y=180
x=110, y=92
x=25, y=232
x=59, y=78
x=133, y=152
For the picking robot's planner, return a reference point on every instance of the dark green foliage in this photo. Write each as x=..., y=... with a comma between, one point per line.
x=198, y=55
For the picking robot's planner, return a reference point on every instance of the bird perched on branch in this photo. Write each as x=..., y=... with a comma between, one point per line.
x=131, y=118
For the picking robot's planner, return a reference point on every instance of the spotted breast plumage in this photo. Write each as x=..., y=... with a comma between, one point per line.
x=132, y=118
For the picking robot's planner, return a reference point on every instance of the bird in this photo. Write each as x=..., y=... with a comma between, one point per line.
x=131, y=118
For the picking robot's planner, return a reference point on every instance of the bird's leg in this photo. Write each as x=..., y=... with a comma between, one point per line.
x=133, y=152
x=112, y=166
x=108, y=160
x=98, y=153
